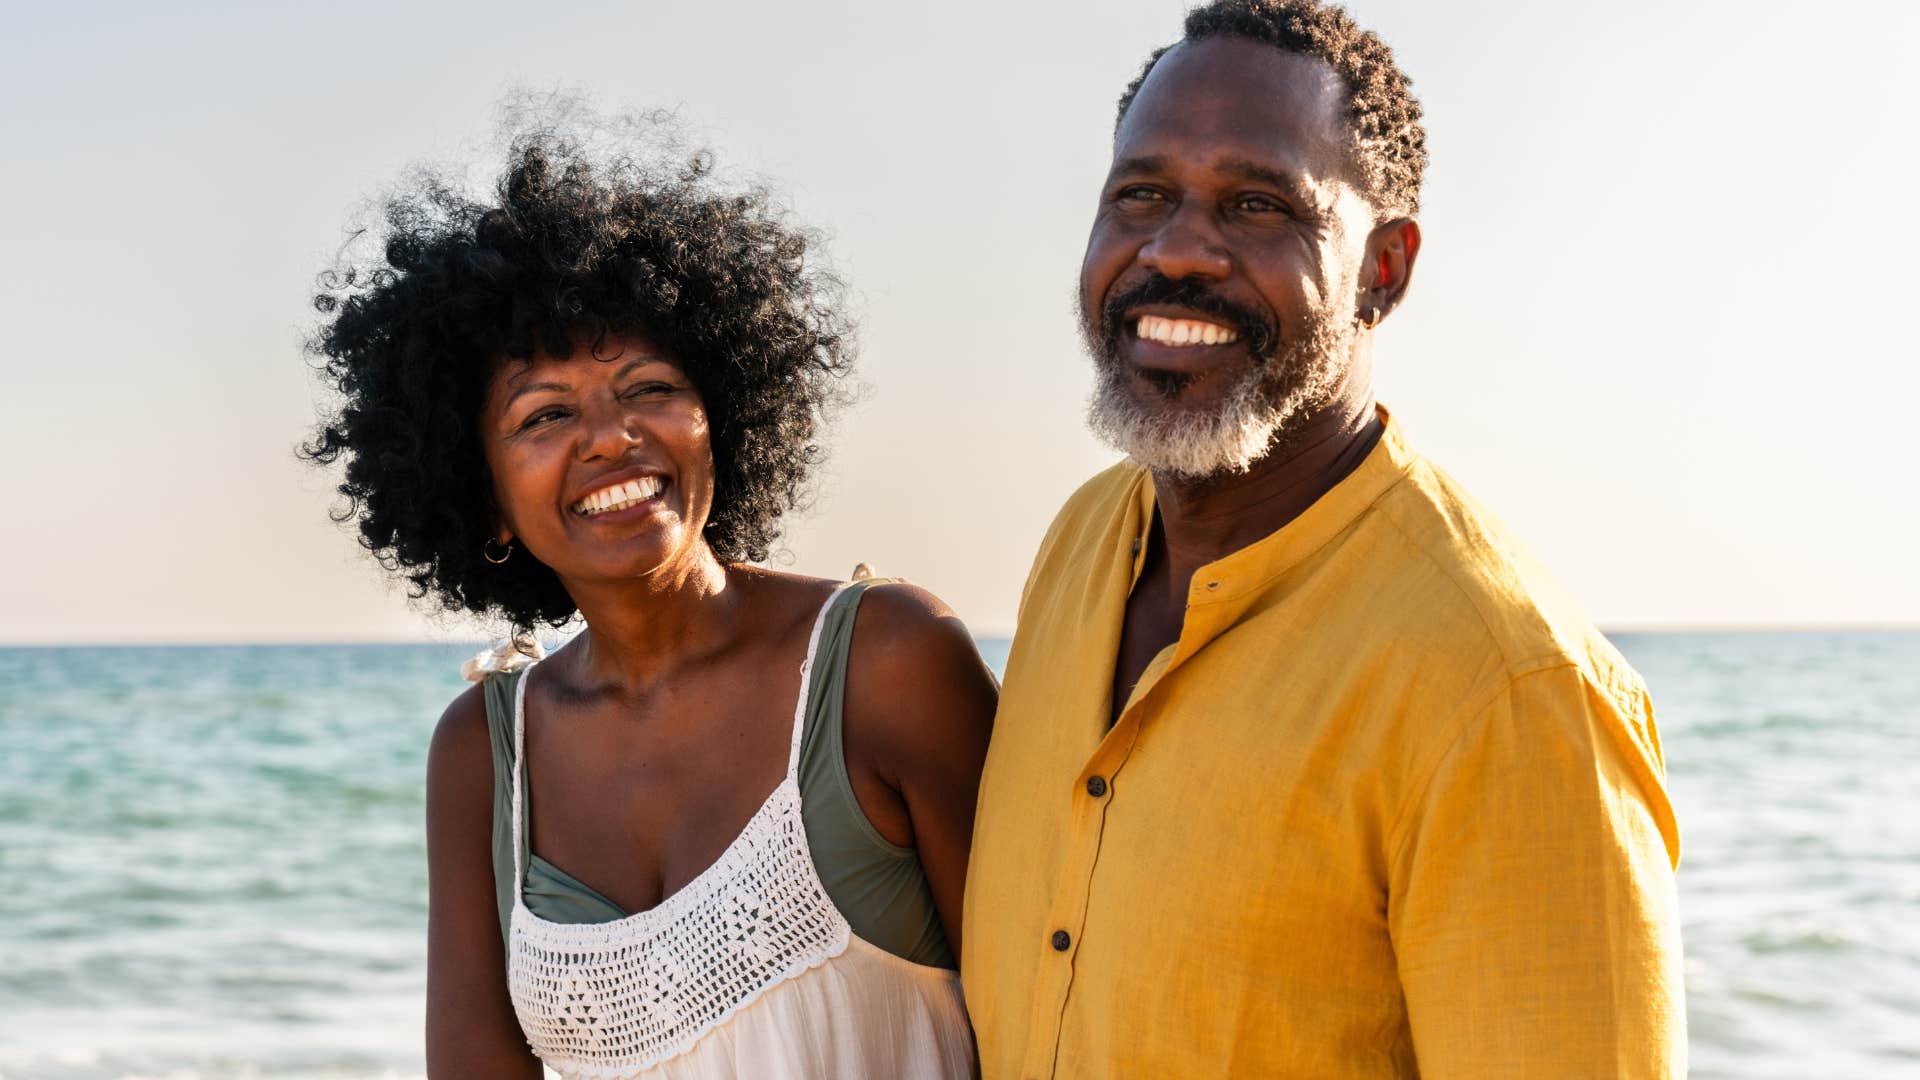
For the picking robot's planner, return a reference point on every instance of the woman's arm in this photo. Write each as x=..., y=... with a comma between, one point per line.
x=919, y=709
x=471, y=1029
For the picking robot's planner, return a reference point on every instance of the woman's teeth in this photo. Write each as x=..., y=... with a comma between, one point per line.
x=1183, y=331
x=619, y=496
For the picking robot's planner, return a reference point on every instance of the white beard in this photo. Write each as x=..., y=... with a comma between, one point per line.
x=1269, y=402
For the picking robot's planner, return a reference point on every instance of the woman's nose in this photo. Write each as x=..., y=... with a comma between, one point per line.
x=611, y=431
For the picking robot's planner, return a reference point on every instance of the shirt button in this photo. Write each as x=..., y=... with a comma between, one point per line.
x=1062, y=941
x=1096, y=786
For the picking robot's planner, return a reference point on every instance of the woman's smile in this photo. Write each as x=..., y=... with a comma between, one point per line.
x=622, y=498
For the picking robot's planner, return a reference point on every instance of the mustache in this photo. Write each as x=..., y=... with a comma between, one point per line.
x=1191, y=293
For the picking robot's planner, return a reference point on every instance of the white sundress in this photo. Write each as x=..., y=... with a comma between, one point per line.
x=748, y=971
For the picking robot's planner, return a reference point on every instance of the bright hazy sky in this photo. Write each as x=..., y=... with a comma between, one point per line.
x=1660, y=321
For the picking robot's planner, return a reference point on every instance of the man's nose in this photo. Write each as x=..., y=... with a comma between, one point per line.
x=1187, y=245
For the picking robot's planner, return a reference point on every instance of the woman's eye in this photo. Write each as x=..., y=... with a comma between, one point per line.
x=542, y=416
x=647, y=389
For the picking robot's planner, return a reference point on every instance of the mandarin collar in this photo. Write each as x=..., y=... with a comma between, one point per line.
x=1242, y=575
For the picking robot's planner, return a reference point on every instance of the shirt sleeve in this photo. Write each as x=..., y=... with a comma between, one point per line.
x=1531, y=892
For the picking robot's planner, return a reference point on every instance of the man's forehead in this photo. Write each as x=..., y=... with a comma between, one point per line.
x=1238, y=99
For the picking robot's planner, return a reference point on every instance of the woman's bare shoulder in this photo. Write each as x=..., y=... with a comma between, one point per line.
x=460, y=757
x=902, y=623
x=784, y=604
x=914, y=674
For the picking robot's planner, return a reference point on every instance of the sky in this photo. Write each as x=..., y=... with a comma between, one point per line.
x=1660, y=321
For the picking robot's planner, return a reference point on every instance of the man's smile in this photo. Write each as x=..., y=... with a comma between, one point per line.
x=1182, y=326
x=1183, y=332
x=1179, y=342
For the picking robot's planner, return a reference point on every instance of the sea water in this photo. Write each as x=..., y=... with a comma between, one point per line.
x=212, y=864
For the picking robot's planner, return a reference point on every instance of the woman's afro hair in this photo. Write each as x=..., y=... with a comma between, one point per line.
x=573, y=247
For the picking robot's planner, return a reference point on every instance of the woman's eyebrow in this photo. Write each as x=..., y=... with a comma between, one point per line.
x=561, y=388
x=626, y=369
x=530, y=388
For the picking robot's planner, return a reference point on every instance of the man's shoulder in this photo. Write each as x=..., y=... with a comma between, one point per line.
x=1480, y=584
x=1092, y=514
x=1479, y=602
x=1102, y=497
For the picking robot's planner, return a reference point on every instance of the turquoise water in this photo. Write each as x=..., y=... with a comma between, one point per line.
x=213, y=865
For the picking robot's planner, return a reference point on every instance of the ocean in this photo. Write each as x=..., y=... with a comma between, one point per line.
x=211, y=859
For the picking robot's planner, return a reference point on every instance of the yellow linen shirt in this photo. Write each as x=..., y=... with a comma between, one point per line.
x=1389, y=807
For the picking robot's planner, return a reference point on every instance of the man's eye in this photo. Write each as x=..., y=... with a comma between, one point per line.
x=1137, y=193
x=1261, y=204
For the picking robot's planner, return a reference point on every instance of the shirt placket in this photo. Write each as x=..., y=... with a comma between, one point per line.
x=1095, y=788
x=1092, y=792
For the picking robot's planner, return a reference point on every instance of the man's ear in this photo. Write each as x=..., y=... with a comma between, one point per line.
x=1392, y=249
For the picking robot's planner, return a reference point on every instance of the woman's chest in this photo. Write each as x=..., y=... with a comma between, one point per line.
x=636, y=800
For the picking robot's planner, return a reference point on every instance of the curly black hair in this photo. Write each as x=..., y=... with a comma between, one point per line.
x=1382, y=112
x=573, y=247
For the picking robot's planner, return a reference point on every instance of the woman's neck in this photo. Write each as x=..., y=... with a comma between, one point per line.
x=641, y=629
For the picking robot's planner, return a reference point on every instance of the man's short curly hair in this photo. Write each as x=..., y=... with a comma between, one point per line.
x=1383, y=114
x=572, y=248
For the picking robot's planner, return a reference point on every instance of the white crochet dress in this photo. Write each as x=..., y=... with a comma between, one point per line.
x=749, y=971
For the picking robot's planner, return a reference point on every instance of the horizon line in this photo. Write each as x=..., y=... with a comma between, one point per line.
x=1644, y=629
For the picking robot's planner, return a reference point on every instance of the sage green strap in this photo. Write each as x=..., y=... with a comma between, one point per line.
x=879, y=886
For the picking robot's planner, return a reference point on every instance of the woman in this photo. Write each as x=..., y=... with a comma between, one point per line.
x=723, y=831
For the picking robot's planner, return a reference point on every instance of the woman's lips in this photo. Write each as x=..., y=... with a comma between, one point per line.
x=622, y=501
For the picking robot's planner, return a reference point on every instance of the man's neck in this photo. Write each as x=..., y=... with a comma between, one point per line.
x=1196, y=523
x=1201, y=521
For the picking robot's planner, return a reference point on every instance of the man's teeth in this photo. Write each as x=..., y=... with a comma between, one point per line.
x=619, y=496
x=1183, y=331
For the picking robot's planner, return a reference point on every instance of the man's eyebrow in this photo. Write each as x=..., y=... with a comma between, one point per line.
x=1245, y=168
x=1264, y=174
x=1133, y=165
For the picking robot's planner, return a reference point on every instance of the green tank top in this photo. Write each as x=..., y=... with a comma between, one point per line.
x=879, y=887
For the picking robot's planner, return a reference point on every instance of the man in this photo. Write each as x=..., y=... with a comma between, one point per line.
x=1302, y=768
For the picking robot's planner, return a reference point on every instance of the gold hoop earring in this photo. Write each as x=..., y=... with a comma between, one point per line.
x=1372, y=318
x=486, y=552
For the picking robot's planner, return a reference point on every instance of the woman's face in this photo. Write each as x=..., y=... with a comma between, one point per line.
x=602, y=466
